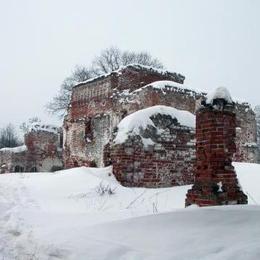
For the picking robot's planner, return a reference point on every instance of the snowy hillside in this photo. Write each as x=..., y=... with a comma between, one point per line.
x=65, y=215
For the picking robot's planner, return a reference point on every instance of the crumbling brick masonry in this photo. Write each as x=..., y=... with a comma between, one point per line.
x=98, y=106
x=160, y=154
x=215, y=178
x=41, y=152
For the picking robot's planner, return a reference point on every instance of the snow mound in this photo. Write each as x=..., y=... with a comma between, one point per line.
x=35, y=127
x=17, y=149
x=133, y=123
x=219, y=93
x=60, y=215
x=249, y=177
x=215, y=233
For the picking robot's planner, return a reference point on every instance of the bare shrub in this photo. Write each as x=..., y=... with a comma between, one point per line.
x=102, y=189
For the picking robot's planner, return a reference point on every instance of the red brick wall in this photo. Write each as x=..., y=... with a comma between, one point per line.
x=114, y=97
x=215, y=146
x=168, y=162
x=44, y=151
x=101, y=100
x=246, y=141
x=88, y=100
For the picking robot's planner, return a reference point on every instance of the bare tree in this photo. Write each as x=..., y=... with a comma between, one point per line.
x=143, y=58
x=25, y=126
x=113, y=58
x=109, y=60
x=8, y=137
x=60, y=102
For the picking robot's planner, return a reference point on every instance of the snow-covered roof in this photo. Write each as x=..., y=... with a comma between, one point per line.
x=174, y=75
x=35, y=127
x=17, y=149
x=219, y=93
x=133, y=123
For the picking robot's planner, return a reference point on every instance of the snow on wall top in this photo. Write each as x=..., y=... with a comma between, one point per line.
x=219, y=93
x=164, y=84
x=17, y=149
x=133, y=123
x=35, y=127
x=134, y=67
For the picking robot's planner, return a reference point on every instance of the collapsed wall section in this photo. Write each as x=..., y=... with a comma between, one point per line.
x=246, y=134
x=153, y=147
x=13, y=159
x=96, y=108
x=85, y=140
x=42, y=152
x=257, y=112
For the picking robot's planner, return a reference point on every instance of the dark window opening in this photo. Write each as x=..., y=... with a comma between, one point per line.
x=61, y=140
x=88, y=132
x=93, y=164
x=123, y=114
x=18, y=168
x=75, y=163
x=34, y=169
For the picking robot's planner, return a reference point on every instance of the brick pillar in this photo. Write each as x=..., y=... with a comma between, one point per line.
x=215, y=178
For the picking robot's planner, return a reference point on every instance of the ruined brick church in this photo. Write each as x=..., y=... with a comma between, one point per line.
x=141, y=120
x=138, y=119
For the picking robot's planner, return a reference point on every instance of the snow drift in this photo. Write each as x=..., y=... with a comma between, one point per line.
x=62, y=216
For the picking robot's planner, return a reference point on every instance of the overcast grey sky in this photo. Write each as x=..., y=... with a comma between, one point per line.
x=213, y=43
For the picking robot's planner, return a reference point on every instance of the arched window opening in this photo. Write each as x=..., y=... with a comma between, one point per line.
x=34, y=169
x=18, y=168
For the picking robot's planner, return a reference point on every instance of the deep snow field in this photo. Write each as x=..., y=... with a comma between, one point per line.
x=63, y=215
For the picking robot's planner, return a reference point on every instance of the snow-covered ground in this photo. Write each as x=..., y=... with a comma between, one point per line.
x=64, y=216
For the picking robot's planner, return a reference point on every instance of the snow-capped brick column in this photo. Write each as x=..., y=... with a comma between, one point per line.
x=215, y=178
